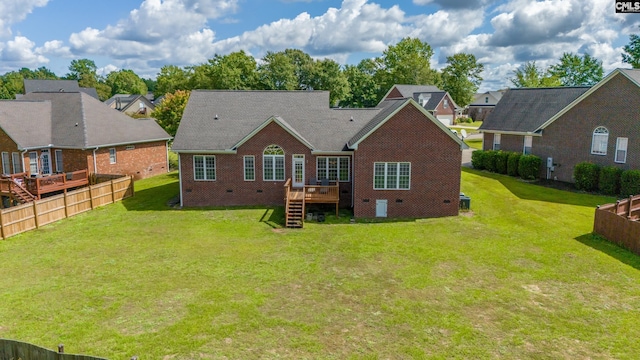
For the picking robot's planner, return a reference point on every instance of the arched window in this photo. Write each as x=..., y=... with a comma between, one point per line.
x=600, y=141
x=273, y=163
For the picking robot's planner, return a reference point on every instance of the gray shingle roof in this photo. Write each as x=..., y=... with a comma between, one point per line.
x=526, y=109
x=28, y=123
x=35, y=85
x=632, y=74
x=241, y=112
x=408, y=91
x=77, y=120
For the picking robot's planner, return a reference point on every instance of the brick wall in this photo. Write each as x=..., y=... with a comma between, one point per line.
x=7, y=145
x=144, y=160
x=230, y=189
x=435, y=168
x=449, y=110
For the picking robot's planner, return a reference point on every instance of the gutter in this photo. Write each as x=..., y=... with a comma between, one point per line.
x=95, y=163
x=180, y=179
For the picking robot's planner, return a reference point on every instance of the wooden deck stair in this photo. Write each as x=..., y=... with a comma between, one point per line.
x=296, y=200
x=295, y=214
x=21, y=194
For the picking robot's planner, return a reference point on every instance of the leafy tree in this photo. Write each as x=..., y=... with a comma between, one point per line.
x=631, y=54
x=236, y=71
x=304, y=67
x=103, y=90
x=363, y=88
x=169, y=111
x=85, y=71
x=277, y=72
x=125, y=82
x=12, y=83
x=171, y=78
x=530, y=75
x=575, y=70
x=41, y=73
x=200, y=76
x=327, y=75
x=461, y=78
x=407, y=62
x=151, y=84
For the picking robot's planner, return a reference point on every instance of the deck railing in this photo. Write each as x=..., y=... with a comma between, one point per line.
x=327, y=194
x=620, y=223
x=56, y=182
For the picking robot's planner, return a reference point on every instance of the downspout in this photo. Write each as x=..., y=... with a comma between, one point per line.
x=95, y=163
x=167, y=148
x=353, y=181
x=23, y=168
x=180, y=178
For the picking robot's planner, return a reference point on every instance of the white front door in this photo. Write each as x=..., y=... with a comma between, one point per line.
x=298, y=171
x=45, y=162
x=381, y=208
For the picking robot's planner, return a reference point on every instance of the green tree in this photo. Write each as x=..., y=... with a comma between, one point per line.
x=171, y=78
x=576, y=70
x=85, y=71
x=277, y=72
x=363, y=88
x=304, y=67
x=125, y=82
x=151, y=84
x=236, y=71
x=41, y=73
x=407, y=62
x=530, y=75
x=12, y=83
x=461, y=77
x=327, y=75
x=631, y=54
x=169, y=111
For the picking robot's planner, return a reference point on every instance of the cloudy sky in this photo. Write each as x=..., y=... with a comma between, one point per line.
x=145, y=35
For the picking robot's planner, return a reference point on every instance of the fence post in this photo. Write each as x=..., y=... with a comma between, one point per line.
x=66, y=210
x=35, y=213
x=630, y=206
x=61, y=349
x=113, y=193
x=91, y=196
x=133, y=191
x=2, y=230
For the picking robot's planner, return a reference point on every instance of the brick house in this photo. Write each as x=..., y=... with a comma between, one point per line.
x=60, y=132
x=483, y=104
x=395, y=160
x=131, y=104
x=438, y=102
x=600, y=124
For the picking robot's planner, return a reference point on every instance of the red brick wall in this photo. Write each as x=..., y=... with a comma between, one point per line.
x=449, y=110
x=7, y=145
x=145, y=160
x=435, y=168
x=394, y=93
x=230, y=189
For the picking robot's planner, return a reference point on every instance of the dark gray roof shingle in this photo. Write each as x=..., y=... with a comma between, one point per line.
x=28, y=123
x=408, y=91
x=526, y=109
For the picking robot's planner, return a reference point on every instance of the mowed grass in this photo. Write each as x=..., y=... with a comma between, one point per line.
x=518, y=277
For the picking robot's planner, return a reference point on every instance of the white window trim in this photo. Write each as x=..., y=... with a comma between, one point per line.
x=496, y=141
x=386, y=168
x=113, y=159
x=273, y=161
x=45, y=153
x=600, y=132
x=33, y=161
x=59, y=161
x=244, y=167
x=528, y=139
x=204, y=167
x=6, y=166
x=618, y=148
x=326, y=167
x=17, y=164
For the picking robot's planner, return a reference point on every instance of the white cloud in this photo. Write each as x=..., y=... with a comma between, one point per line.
x=14, y=11
x=20, y=50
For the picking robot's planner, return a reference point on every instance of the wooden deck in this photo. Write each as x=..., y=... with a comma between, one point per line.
x=296, y=199
x=39, y=186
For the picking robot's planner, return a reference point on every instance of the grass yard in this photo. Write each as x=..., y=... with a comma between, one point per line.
x=474, y=143
x=519, y=277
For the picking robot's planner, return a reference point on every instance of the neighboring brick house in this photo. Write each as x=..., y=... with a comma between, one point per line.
x=131, y=104
x=483, y=104
x=600, y=124
x=57, y=132
x=394, y=160
x=438, y=102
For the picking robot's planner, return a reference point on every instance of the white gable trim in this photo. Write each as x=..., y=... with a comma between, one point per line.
x=424, y=111
x=583, y=96
x=280, y=122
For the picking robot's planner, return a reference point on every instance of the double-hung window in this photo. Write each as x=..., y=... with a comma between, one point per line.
x=599, y=141
x=528, y=143
x=273, y=163
x=621, y=150
x=391, y=176
x=249, y=168
x=112, y=155
x=59, y=163
x=496, y=141
x=6, y=167
x=33, y=163
x=17, y=162
x=333, y=168
x=204, y=167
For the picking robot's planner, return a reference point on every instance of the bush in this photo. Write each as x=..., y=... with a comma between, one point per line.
x=529, y=167
x=630, y=183
x=489, y=160
x=502, y=158
x=512, y=163
x=477, y=159
x=586, y=175
x=609, y=180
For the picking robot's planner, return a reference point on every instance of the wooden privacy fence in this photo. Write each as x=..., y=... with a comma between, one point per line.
x=32, y=215
x=620, y=223
x=14, y=350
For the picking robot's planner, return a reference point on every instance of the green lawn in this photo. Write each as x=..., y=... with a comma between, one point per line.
x=518, y=277
x=474, y=143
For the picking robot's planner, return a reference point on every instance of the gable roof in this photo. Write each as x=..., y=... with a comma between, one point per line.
x=123, y=102
x=37, y=85
x=27, y=123
x=223, y=120
x=524, y=110
x=493, y=96
x=632, y=74
x=77, y=120
x=408, y=91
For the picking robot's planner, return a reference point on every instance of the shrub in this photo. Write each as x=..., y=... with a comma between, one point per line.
x=609, y=180
x=630, y=183
x=502, y=158
x=477, y=159
x=489, y=160
x=512, y=163
x=586, y=176
x=529, y=167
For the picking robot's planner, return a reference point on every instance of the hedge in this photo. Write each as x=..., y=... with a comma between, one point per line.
x=501, y=162
x=529, y=167
x=477, y=159
x=609, y=180
x=630, y=183
x=489, y=160
x=512, y=163
x=586, y=176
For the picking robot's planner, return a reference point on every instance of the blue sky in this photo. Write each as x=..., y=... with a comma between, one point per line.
x=145, y=35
